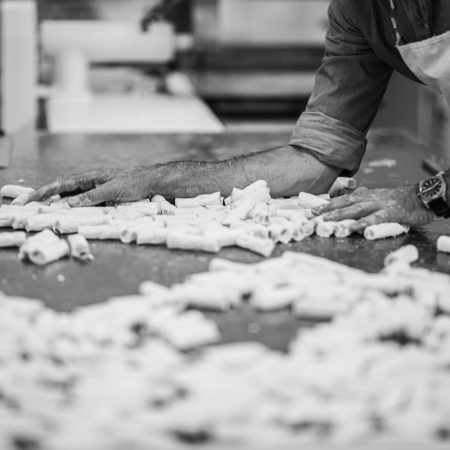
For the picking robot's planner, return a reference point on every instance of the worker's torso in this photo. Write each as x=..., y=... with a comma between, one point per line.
x=374, y=20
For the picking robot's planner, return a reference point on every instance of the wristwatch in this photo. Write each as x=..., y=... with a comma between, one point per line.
x=433, y=194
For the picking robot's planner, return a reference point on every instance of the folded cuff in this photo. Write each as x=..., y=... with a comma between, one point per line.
x=331, y=141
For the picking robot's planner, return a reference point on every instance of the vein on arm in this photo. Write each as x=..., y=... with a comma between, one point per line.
x=287, y=170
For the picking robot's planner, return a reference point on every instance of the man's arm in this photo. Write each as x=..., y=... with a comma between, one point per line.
x=288, y=170
x=329, y=137
x=349, y=88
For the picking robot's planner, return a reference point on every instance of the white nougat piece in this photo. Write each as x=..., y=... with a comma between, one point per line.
x=225, y=237
x=22, y=199
x=385, y=230
x=256, y=185
x=154, y=290
x=310, y=201
x=45, y=254
x=260, y=195
x=284, y=204
x=239, y=212
x=12, y=239
x=32, y=207
x=192, y=212
x=205, y=296
x=14, y=190
x=190, y=330
x=341, y=186
x=201, y=200
x=6, y=219
x=325, y=229
x=128, y=234
x=303, y=228
x=267, y=298
x=185, y=240
x=151, y=235
x=238, y=194
x=39, y=238
x=100, y=232
x=79, y=247
x=67, y=224
x=62, y=204
x=39, y=222
x=165, y=206
x=261, y=213
x=44, y=248
x=143, y=208
x=261, y=246
x=281, y=230
x=343, y=228
x=443, y=244
x=241, y=208
x=404, y=255
x=20, y=218
x=251, y=228
x=76, y=211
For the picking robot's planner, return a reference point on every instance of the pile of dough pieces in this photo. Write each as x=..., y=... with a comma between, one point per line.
x=249, y=219
x=119, y=374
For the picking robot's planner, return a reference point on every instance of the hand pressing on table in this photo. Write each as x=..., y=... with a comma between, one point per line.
x=375, y=206
x=287, y=170
x=99, y=186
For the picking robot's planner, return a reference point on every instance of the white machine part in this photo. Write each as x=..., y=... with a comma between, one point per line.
x=72, y=107
x=75, y=44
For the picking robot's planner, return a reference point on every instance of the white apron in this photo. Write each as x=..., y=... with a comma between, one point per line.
x=429, y=60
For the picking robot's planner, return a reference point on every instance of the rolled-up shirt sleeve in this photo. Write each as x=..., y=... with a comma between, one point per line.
x=348, y=90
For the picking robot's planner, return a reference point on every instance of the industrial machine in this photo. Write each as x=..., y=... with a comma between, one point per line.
x=78, y=48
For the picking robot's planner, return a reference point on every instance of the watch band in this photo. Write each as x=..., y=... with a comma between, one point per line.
x=439, y=207
x=438, y=201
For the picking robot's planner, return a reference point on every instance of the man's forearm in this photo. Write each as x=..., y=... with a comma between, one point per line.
x=287, y=170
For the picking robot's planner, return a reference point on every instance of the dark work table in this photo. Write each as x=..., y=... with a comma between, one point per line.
x=118, y=269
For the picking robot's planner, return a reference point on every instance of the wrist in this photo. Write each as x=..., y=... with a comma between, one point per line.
x=446, y=176
x=433, y=194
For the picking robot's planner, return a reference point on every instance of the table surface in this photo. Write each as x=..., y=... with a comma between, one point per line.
x=118, y=268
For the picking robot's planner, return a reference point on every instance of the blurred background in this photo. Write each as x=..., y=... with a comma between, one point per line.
x=149, y=66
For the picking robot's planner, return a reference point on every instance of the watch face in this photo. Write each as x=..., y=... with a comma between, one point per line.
x=431, y=188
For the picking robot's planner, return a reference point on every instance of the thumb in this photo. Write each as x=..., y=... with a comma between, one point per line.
x=105, y=193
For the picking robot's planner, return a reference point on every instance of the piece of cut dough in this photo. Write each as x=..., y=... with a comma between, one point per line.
x=184, y=240
x=342, y=186
x=12, y=239
x=44, y=248
x=79, y=247
x=443, y=244
x=261, y=246
x=100, y=232
x=14, y=190
x=404, y=255
x=201, y=200
x=385, y=230
x=310, y=201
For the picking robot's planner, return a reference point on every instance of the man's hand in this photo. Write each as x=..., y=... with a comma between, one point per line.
x=370, y=207
x=99, y=186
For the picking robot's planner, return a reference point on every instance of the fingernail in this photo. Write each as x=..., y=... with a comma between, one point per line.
x=74, y=201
